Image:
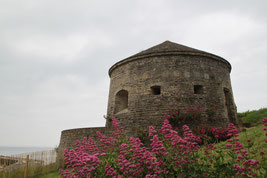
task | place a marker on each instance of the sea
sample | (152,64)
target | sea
(9,151)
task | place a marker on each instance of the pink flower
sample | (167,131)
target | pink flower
(152,131)
(109,171)
(185,128)
(103,154)
(264,121)
(229,145)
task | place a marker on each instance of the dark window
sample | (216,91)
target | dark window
(121,101)
(198,89)
(155,90)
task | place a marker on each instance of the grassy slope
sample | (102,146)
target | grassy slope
(253,136)
(257,137)
(253,118)
(255,133)
(50,175)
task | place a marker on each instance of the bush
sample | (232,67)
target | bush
(192,117)
(178,116)
(169,155)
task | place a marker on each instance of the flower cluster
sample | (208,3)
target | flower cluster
(81,163)
(170,155)
(178,116)
(211,135)
(243,164)
(264,121)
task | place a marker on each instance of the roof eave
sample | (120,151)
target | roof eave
(169,53)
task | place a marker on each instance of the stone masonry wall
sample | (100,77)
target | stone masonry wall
(68,139)
(176,75)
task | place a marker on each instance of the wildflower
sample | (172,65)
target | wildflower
(229,145)
(264,121)
(109,171)
(166,127)
(103,154)
(152,131)
(206,152)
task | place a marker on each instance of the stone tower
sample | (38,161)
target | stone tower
(143,85)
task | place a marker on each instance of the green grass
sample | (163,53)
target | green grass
(257,137)
(257,143)
(33,171)
(50,175)
(253,118)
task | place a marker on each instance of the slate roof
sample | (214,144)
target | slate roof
(168,48)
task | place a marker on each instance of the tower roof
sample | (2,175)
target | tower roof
(168,48)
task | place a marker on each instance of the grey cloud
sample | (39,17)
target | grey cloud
(55,55)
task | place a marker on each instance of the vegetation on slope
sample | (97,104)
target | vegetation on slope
(252,118)
(50,175)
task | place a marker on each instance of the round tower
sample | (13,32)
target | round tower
(142,86)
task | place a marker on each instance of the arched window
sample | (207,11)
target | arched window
(121,101)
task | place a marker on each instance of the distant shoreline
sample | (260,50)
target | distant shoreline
(9,150)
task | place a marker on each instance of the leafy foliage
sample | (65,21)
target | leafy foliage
(169,155)
(252,118)
(178,116)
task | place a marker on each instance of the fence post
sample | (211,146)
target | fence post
(26,167)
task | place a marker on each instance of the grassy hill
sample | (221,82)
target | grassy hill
(252,118)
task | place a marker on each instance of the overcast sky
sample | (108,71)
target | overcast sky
(55,55)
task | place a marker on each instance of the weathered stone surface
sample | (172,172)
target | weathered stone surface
(186,77)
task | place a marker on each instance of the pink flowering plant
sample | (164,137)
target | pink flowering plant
(178,116)
(192,117)
(211,135)
(169,155)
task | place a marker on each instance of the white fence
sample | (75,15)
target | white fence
(40,158)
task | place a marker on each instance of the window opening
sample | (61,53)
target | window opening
(198,89)
(155,90)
